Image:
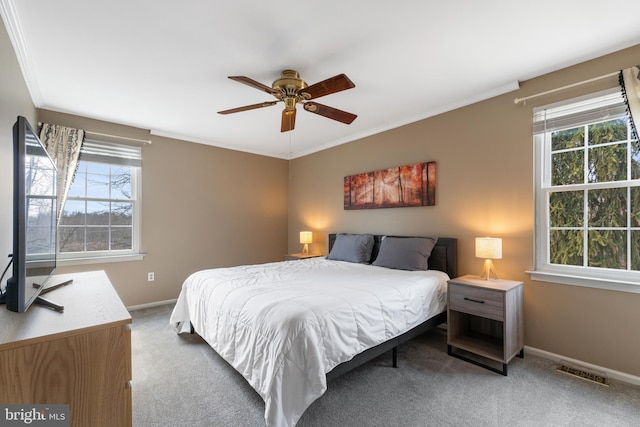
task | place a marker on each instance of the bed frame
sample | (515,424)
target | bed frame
(443,258)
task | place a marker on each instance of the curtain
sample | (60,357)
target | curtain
(630,86)
(63,145)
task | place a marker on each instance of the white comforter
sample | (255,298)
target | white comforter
(284,325)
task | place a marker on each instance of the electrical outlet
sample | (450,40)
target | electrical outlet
(151,276)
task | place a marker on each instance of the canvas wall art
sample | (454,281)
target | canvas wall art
(402,186)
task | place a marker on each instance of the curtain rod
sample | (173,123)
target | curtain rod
(106,135)
(519,100)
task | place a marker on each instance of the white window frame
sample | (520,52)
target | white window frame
(92,155)
(594,277)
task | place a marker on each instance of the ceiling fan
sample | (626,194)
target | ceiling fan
(292,90)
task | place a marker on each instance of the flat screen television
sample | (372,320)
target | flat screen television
(34,220)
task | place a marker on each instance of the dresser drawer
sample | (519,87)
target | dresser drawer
(477,301)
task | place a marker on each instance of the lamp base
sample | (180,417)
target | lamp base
(488,271)
(305,249)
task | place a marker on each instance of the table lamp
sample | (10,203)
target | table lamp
(488,248)
(306,237)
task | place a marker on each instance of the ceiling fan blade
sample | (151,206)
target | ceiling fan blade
(248,107)
(330,112)
(288,120)
(331,85)
(254,84)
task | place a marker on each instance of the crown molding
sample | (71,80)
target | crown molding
(12,24)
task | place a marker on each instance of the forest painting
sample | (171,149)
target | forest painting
(403,186)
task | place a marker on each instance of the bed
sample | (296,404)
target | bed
(291,327)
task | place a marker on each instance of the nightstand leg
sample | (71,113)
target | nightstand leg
(395,357)
(521,354)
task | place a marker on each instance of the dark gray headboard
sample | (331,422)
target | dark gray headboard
(443,256)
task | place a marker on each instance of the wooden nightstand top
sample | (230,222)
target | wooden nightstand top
(291,257)
(494,284)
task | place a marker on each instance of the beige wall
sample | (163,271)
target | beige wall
(484,158)
(202,207)
(14,100)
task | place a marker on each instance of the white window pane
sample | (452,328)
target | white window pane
(97,186)
(97,238)
(121,214)
(121,238)
(97,168)
(100,213)
(78,186)
(121,185)
(71,239)
(587,195)
(97,213)
(73,213)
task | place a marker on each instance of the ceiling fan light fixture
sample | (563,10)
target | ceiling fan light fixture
(290,102)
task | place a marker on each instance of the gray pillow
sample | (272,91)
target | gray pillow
(352,248)
(405,253)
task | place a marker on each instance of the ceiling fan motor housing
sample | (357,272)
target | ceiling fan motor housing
(289,84)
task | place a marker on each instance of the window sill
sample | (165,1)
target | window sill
(589,282)
(64,262)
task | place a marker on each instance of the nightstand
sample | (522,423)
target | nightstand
(485,318)
(293,257)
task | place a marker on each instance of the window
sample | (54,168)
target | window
(100,218)
(587,193)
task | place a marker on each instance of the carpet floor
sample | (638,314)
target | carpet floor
(178,380)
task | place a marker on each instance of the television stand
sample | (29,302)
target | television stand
(48,303)
(81,357)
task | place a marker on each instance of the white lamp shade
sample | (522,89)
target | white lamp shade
(306,237)
(488,247)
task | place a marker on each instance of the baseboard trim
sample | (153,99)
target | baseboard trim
(151,304)
(611,374)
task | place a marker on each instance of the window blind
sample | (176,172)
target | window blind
(109,152)
(608,105)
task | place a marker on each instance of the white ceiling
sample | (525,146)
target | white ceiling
(163,64)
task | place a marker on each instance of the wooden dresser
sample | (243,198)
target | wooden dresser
(81,357)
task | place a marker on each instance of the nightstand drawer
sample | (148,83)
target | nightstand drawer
(477,301)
